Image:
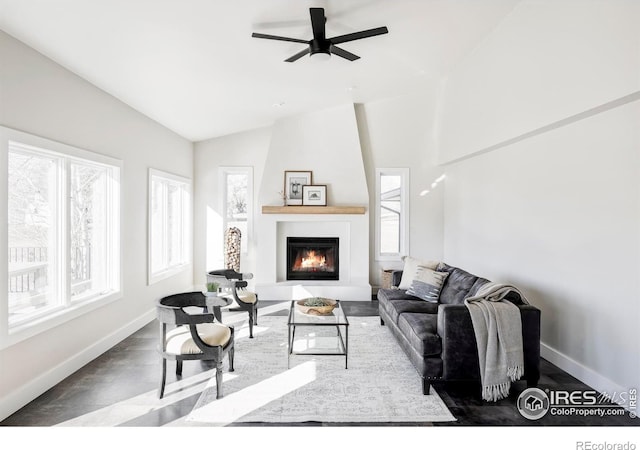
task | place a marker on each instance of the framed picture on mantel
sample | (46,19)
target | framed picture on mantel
(314,195)
(293,182)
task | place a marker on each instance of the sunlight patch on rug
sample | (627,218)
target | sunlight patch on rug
(238,404)
(380,384)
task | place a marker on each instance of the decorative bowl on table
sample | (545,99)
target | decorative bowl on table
(316,306)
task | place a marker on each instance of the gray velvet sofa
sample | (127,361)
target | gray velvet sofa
(438,338)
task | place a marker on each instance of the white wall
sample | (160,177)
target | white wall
(247,149)
(548,60)
(325,142)
(539,136)
(398,132)
(40,97)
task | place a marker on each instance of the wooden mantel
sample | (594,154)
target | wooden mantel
(266,209)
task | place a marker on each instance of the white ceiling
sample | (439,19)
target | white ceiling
(193,66)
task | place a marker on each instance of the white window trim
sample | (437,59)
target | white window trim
(404,217)
(222,172)
(186,238)
(18,333)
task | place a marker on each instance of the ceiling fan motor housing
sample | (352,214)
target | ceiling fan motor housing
(319,46)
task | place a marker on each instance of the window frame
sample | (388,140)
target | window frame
(68,308)
(186,194)
(404,174)
(223,172)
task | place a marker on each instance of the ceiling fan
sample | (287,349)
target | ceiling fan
(320,44)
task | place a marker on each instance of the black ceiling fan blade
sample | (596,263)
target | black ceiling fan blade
(278,38)
(298,55)
(318,22)
(358,35)
(343,53)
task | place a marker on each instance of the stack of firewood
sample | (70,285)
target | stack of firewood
(232,249)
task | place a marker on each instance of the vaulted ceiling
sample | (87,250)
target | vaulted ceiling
(193,66)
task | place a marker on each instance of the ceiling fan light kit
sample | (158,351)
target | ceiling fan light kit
(320,46)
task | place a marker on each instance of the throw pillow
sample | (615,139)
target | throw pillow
(410,267)
(427,284)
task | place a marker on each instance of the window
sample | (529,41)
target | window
(63,229)
(392,212)
(237,201)
(169,222)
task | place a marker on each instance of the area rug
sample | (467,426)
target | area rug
(379,385)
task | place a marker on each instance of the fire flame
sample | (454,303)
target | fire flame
(312,260)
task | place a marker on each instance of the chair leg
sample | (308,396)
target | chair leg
(255,315)
(179,367)
(426,385)
(164,378)
(218,379)
(232,353)
(251,323)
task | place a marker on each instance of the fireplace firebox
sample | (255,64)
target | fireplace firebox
(312,258)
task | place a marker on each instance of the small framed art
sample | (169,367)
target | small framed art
(293,182)
(314,195)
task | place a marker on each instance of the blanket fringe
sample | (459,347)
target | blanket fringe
(499,391)
(496,392)
(515,373)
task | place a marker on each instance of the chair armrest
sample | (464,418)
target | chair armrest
(454,321)
(240,284)
(178,316)
(193,319)
(396,277)
(459,347)
(229,274)
(203,346)
(450,317)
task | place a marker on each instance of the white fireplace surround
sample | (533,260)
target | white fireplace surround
(353,283)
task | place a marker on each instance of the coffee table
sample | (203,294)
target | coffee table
(319,339)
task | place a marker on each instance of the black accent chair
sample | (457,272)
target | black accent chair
(192,335)
(233,285)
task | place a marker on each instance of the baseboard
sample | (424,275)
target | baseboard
(55,375)
(583,373)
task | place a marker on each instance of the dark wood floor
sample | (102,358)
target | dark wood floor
(131,370)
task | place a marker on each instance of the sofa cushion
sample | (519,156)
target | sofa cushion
(476,286)
(410,268)
(244,296)
(385,295)
(398,307)
(427,284)
(180,342)
(396,278)
(396,301)
(457,286)
(421,331)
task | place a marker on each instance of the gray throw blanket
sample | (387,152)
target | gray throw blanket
(498,330)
